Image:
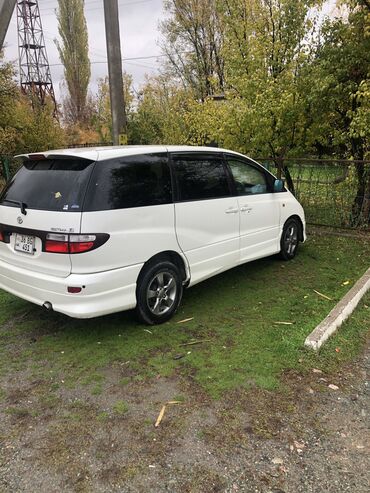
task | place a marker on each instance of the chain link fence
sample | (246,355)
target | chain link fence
(334,193)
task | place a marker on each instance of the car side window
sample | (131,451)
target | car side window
(248,179)
(134,181)
(200,177)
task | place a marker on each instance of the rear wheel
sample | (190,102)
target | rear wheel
(158,293)
(289,239)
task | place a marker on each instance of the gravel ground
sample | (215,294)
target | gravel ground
(307,438)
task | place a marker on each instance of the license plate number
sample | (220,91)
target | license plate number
(25,244)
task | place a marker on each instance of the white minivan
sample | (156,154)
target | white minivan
(87,232)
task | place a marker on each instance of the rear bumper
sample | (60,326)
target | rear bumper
(103,292)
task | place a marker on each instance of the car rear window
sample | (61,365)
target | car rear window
(125,182)
(50,185)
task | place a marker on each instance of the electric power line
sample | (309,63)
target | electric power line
(135,58)
(47,9)
(126,59)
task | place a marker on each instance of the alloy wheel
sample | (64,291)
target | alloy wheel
(161,293)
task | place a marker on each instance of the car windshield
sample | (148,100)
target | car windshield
(49,184)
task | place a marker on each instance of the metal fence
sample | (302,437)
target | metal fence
(334,193)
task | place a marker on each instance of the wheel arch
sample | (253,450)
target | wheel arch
(300,222)
(172,256)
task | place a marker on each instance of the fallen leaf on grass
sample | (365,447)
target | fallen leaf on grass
(185,320)
(316,370)
(344,283)
(323,295)
(147,330)
(284,323)
(337,349)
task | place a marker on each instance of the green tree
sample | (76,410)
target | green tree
(23,128)
(74,54)
(159,114)
(37,129)
(101,119)
(340,94)
(9,95)
(193,40)
(268,48)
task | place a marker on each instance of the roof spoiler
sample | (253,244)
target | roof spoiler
(39,156)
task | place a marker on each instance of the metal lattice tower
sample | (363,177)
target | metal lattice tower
(34,70)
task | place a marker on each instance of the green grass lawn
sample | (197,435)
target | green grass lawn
(235,314)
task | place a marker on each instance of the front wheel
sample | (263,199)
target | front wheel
(289,239)
(158,293)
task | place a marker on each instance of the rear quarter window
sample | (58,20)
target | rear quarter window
(126,182)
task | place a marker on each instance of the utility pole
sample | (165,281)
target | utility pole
(117,102)
(6,11)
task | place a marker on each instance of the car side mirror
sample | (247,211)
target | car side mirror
(278,185)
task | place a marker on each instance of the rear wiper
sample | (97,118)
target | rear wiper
(21,204)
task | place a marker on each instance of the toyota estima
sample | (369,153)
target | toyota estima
(87,232)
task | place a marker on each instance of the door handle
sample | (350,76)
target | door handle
(246,208)
(231,210)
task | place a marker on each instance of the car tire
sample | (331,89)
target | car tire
(158,293)
(290,239)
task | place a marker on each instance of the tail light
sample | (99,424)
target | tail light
(81,243)
(60,243)
(4,237)
(57,243)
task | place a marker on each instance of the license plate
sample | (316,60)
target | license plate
(24,243)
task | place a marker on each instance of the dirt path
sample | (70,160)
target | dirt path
(306,439)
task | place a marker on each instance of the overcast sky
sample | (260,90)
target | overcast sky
(139,21)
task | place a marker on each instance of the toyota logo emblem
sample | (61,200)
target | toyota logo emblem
(19,220)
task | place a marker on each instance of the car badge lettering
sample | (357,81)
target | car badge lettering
(19,220)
